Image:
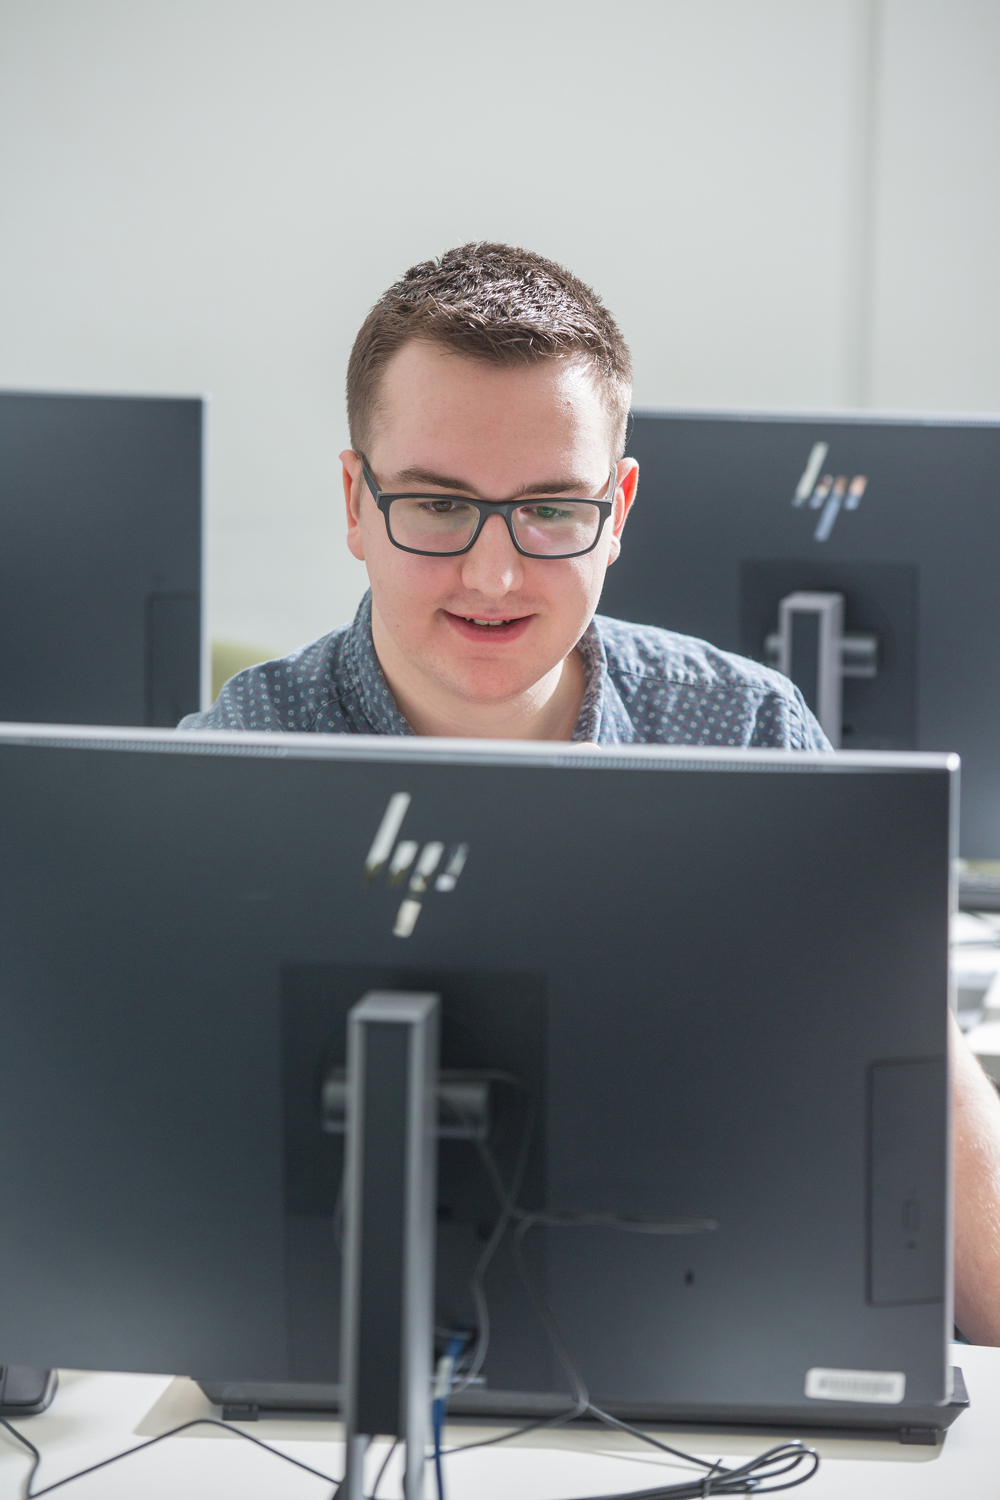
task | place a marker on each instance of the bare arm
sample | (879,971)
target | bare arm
(977,1195)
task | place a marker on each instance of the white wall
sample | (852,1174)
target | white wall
(935,330)
(788,203)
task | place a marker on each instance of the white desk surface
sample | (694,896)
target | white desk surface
(94,1416)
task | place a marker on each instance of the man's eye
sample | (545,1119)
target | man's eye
(550,512)
(443,507)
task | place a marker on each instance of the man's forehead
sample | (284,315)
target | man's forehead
(456,418)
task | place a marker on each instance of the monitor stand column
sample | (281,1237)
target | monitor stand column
(811,633)
(387,1317)
(811,648)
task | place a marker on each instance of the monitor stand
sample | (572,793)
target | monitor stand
(811,648)
(387,1314)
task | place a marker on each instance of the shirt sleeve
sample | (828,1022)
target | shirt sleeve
(244,703)
(224,714)
(209,718)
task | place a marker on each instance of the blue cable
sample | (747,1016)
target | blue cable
(442,1391)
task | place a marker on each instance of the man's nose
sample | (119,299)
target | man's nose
(494,566)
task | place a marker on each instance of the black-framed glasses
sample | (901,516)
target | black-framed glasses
(448,525)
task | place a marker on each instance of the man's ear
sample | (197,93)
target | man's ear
(353,485)
(626,485)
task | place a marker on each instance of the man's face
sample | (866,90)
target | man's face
(452,425)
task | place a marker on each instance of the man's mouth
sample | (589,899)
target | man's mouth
(480,627)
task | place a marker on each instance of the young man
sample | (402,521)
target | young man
(487,493)
(495,376)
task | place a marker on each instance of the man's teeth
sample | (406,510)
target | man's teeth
(486,622)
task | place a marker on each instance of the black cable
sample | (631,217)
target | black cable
(746,1480)
(31,1449)
(507,1197)
(29,1494)
(749,1478)
(548,1322)
(508,1437)
(645,1437)
(385,1464)
(788,1455)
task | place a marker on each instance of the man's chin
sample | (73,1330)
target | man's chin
(484,685)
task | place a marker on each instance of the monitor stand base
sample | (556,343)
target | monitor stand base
(24,1392)
(246,1401)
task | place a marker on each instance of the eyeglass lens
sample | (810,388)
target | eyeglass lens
(545,528)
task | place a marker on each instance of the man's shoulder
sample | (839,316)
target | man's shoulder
(677,689)
(286,693)
(647,651)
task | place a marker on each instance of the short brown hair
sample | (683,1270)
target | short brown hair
(494,303)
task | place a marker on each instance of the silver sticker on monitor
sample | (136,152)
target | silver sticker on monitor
(878,1387)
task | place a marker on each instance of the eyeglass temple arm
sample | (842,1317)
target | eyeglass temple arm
(373,488)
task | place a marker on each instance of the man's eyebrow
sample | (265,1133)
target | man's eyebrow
(418,475)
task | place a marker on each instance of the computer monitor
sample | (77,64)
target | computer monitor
(897,516)
(100,558)
(717,981)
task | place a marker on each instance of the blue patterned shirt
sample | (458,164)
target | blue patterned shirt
(644,686)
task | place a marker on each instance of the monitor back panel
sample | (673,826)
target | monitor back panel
(100,558)
(723,983)
(716,539)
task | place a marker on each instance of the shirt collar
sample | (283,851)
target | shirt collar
(377,702)
(595,666)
